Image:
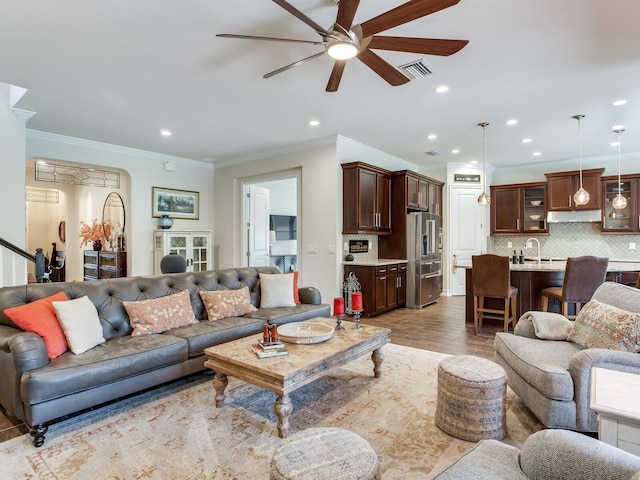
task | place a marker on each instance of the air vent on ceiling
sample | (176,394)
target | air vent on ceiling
(433,153)
(416,69)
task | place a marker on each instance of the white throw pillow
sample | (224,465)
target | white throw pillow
(276,291)
(80,324)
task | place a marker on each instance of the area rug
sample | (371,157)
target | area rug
(176,432)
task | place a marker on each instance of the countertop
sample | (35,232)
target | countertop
(559,266)
(381,262)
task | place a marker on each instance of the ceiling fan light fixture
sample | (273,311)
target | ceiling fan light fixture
(342,50)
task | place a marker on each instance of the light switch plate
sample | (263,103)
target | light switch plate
(312,248)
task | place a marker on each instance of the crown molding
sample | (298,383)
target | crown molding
(108,147)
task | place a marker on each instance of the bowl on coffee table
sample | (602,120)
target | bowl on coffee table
(305,332)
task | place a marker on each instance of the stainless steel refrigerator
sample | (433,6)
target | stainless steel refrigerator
(424,258)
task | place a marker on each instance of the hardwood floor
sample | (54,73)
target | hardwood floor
(439,327)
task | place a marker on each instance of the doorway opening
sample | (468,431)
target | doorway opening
(271,220)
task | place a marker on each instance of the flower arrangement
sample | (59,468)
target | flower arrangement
(94,232)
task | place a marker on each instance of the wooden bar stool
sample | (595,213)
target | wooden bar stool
(582,276)
(492,279)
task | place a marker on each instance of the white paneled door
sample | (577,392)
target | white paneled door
(258,228)
(465,219)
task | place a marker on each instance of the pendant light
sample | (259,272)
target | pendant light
(581,197)
(619,202)
(484,200)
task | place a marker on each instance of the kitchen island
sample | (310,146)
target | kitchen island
(531,277)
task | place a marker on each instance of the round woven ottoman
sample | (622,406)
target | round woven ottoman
(325,453)
(471,398)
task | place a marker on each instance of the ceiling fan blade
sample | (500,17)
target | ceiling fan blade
(405,13)
(346,12)
(291,65)
(390,74)
(270,39)
(426,46)
(336,75)
(301,16)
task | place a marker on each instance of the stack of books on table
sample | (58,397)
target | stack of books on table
(266,350)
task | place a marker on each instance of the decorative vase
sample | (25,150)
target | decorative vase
(165,222)
(97,245)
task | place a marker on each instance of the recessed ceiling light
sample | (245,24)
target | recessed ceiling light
(537,154)
(474,161)
(441,89)
(314,123)
(617,127)
(432,136)
(617,103)
(511,122)
(455,150)
(614,144)
(165,133)
(526,140)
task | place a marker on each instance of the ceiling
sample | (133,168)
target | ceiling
(119,72)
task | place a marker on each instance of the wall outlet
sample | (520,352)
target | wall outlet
(509,244)
(632,245)
(529,244)
(331,249)
(346,247)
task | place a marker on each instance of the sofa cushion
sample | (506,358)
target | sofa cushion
(39,317)
(544,363)
(227,303)
(80,323)
(599,325)
(276,291)
(207,334)
(158,315)
(122,357)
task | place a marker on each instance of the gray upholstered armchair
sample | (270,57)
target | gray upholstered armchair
(553,377)
(546,454)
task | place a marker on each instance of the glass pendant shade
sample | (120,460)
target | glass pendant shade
(581,197)
(619,202)
(484,200)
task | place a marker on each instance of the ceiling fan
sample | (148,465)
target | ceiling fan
(344,40)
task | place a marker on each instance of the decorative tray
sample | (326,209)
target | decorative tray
(305,332)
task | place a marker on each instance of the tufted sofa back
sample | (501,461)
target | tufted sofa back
(107,295)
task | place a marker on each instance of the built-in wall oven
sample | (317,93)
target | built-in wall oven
(424,258)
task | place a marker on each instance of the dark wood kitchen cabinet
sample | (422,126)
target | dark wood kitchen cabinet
(518,209)
(366,195)
(383,286)
(626,220)
(562,185)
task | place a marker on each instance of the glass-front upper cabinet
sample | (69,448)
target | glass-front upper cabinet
(624,220)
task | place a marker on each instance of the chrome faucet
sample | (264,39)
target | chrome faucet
(538,242)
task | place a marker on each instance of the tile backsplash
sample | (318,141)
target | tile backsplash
(370,256)
(571,240)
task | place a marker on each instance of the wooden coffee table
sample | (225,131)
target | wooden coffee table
(304,364)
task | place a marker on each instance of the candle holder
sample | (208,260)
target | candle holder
(356,317)
(339,322)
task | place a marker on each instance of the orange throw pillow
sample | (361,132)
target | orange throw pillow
(39,317)
(296,295)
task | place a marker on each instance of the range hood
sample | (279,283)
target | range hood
(575,216)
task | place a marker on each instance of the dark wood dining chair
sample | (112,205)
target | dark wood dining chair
(582,276)
(491,279)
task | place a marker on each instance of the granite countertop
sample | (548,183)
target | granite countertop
(380,262)
(559,266)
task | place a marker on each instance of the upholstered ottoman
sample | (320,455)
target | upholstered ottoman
(471,398)
(325,453)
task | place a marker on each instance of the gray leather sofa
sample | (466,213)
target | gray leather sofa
(553,377)
(545,455)
(39,391)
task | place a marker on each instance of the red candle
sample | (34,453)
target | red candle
(338,306)
(356,301)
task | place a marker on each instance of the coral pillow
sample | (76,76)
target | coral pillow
(227,303)
(158,315)
(296,295)
(276,291)
(599,325)
(39,317)
(80,323)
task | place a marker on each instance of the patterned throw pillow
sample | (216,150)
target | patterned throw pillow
(227,303)
(599,325)
(158,315)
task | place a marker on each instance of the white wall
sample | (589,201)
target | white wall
(145,170)
(12,147)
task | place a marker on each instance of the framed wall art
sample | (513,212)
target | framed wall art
(175,203)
